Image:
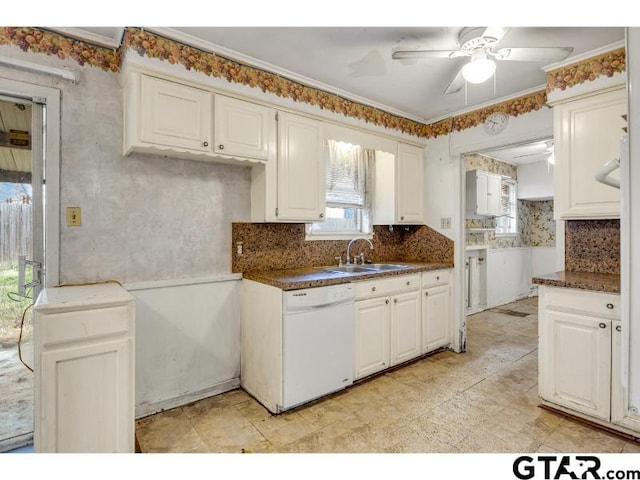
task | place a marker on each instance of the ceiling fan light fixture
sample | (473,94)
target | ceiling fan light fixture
(478,70)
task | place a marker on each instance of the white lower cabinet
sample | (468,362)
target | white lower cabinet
(436,310)
(405,327)
(435,318)
(580,356)
(84,370)
(621,413)
(578,362)
(392,317)
(372,336)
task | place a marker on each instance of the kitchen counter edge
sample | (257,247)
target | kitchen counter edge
(310,277)
(599,282)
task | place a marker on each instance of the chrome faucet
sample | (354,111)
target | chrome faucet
(351,243)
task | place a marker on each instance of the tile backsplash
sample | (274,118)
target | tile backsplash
(592,246)
(273,246)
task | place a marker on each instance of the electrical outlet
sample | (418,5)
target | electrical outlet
(74,218)
(445,222)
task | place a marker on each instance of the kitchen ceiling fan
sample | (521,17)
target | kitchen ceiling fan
(482,46)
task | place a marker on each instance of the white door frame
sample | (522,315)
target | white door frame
(458,149)
(50,97)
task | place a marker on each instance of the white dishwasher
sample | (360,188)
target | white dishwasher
(318,336)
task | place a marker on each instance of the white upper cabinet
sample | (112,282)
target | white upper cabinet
(170,118)
(301,171)
(483,192)
(410,196)
(399,187)
(173,116)
(241,128)
(587,134)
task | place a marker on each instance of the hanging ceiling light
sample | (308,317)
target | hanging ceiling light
(480,68)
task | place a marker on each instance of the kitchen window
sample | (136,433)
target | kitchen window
(349,181)
(507,221)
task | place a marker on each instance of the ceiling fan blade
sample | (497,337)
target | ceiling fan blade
(456,84)
(495,32)
(402,54)
(533,54)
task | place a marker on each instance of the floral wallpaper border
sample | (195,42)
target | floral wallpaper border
(587,70)
(155,46)
(41,41)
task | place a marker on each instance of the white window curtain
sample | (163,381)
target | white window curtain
(349,185)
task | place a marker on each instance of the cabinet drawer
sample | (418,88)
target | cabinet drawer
(386,286)
(589,302)
(84,325)
(436,277)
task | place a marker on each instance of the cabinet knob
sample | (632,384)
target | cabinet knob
(205,144)
(221,147)
(373,289)
(602,325)
(618,328)
(401,218)
(395,300)
(321,215)
(386,301)
(426,294)
(610,306)
(408,283)
(437,278)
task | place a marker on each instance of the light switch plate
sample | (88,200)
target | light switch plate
(74,217)
(445,222)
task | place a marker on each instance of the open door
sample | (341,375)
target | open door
(22,256)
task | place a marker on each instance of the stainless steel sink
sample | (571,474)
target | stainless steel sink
(368,268)
(381,267)
(350,269)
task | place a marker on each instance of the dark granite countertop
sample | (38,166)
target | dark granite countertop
(298,278)
(600,282)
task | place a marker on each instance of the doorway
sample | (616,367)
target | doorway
(510,233)
(22,258)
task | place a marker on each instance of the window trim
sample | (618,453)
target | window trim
(310,237)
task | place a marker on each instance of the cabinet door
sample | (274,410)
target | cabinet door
(435,318)
(482,192)
(372,336)
(621,412)
(85,399)
(410,199)
(406,328)
(494,194)
(241,128)
(575,360)
(175,115)
(301,171)
(587,135)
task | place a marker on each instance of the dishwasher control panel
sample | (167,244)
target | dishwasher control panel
(310,298)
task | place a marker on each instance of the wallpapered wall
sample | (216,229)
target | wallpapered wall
(536,227)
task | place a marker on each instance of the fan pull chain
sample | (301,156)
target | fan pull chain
(494,84)
(465,93)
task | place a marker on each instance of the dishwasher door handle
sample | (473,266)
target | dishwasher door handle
(308,308)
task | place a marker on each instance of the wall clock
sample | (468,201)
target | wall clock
(495,123)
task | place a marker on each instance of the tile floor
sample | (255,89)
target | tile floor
(484,400)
